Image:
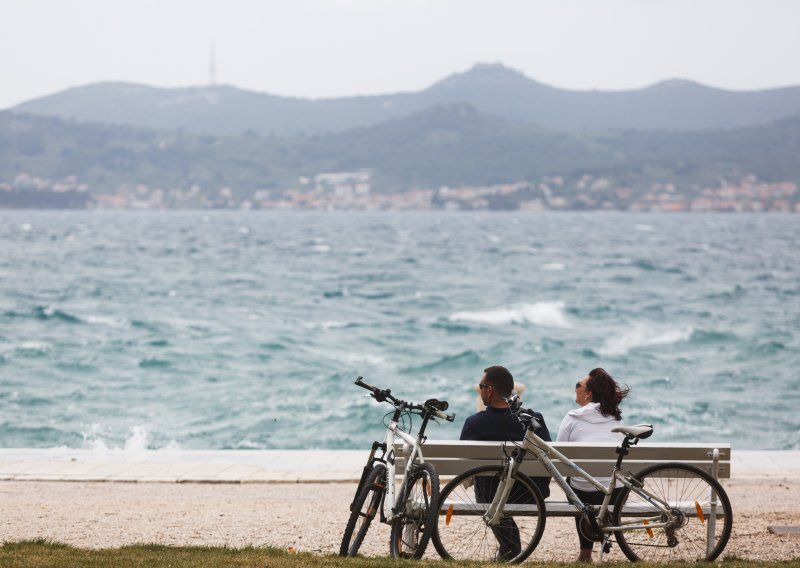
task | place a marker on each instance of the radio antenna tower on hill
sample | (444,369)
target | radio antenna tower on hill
(212,68)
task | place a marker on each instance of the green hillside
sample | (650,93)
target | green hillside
(446,145)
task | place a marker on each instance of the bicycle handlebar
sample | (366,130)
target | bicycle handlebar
(443,416)
(515,406)
(432,406)
(378,394)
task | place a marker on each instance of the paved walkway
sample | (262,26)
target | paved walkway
(263,466)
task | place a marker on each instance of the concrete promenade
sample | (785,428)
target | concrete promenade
(264,466)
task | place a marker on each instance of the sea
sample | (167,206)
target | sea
(130,330)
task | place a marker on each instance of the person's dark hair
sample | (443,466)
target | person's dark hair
(500,378)
(607,392)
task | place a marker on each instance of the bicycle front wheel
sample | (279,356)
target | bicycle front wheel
(366,505)
(416,510)
(462,533)
(698,524)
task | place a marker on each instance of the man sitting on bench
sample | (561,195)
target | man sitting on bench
(496,423)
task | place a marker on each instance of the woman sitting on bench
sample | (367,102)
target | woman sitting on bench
(599,396)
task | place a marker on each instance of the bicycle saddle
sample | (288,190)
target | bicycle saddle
(640,431)
(440,405)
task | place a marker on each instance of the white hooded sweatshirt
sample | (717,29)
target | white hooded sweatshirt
(587,424)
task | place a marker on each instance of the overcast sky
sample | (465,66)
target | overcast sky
(329,48)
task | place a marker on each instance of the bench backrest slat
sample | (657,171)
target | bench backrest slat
(452,457)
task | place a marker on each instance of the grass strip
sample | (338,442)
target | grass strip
(46,554)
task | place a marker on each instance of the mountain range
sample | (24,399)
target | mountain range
(490,88)
(486,127)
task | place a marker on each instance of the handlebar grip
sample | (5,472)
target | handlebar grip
(364,385)
(443,416)
(377,394)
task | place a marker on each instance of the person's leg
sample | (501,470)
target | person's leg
(585,554)
(507,535)
(591,498)
(507,531)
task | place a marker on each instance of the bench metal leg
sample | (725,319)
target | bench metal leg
(712,520)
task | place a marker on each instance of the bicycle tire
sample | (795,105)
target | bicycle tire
(462,534)
(417,504)
(365,506)
(701,534)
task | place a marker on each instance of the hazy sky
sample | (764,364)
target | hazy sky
(326,48)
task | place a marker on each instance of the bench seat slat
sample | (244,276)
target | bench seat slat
(556,509)
(452,467)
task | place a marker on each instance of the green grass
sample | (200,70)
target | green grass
(43,553)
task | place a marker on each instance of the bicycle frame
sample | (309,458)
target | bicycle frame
(534,445)
(393,431)
(415,456)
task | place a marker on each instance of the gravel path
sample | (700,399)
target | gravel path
(307,516)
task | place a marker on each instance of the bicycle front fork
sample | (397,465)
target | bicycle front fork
(368,467)
(495,511)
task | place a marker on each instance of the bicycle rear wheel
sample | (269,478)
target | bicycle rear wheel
(416,507)
(461,532)
(366,505)
(699,523)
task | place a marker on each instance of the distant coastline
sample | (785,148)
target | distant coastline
(592,194)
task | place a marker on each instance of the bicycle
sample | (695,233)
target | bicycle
(666,512)
(412,512)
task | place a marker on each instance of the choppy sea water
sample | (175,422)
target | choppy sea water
(126,330)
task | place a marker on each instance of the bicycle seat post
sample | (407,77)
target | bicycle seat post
(622,449)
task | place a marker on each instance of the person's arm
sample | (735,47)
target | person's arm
(542,432)
(466,430)
(565,430)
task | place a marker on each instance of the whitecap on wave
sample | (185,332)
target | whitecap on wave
(106,320)
(333,324)
(361,358)
(545,314)
(643,336)
(138,441)
(553,266)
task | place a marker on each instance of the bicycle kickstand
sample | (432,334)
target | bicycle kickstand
(606,548)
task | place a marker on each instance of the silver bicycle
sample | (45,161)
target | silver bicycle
(666,512)
(412,512)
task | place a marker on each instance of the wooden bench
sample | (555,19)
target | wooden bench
(452,457)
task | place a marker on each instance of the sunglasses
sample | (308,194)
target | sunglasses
(483,385)
(578,385)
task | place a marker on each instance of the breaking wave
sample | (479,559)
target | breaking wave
(545,314)
(643,336)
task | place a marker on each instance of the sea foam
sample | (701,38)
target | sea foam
(545,314)
(138,441)
(641,335)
